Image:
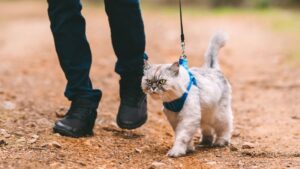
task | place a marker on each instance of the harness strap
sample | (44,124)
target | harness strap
(184,63)
(177,104)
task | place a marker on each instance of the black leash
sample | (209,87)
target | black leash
(182,33)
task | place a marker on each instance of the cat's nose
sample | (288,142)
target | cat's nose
(153,88)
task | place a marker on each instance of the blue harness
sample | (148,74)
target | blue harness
(177,105)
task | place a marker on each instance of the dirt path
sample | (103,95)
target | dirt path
(266,99)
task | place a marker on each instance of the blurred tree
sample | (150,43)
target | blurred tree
(262,4)
(286,2)
(218,3)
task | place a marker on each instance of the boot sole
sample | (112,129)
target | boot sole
(133,126)
(64,132)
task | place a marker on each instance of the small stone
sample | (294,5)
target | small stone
(55,144)
(34,139)
(31,141)
(211,162)
(57,134)
(18,133)
(21,140)
(7,105)
(138,150)
(233,148)
(30,124)
(45,145)
(51,144)
(157,164)
(296,155)
(55,165)
(102,167)
(2,143)
(35,136)
(4,133)
(236,134)
(247,153)
(82,163)
(247,145)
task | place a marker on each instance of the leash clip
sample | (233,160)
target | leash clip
(183,50)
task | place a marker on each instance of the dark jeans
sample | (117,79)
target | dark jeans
(68,28)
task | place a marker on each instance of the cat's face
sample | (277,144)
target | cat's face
(159,79)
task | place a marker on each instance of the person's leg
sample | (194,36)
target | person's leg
(128,39)
(68,28)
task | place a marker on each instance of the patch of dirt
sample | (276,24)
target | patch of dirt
(266,95)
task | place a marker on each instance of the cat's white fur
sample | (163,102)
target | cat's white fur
(208,104)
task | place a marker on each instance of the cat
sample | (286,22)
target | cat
(204,94)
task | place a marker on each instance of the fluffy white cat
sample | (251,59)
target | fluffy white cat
(207,104)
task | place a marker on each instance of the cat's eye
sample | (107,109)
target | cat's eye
(162,81)
(148,81)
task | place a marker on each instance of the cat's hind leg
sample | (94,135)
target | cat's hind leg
(223,127)
(207,135)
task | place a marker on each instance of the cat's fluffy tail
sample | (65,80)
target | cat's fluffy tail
(216,43)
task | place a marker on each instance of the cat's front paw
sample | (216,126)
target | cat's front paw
(176,152)
(191,148)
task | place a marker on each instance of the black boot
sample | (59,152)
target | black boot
(79,120)
(133,109)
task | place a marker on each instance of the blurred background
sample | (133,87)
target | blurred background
(233,3)
(261,60)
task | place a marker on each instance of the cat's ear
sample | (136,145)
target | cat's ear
(146,65)
(174,68)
